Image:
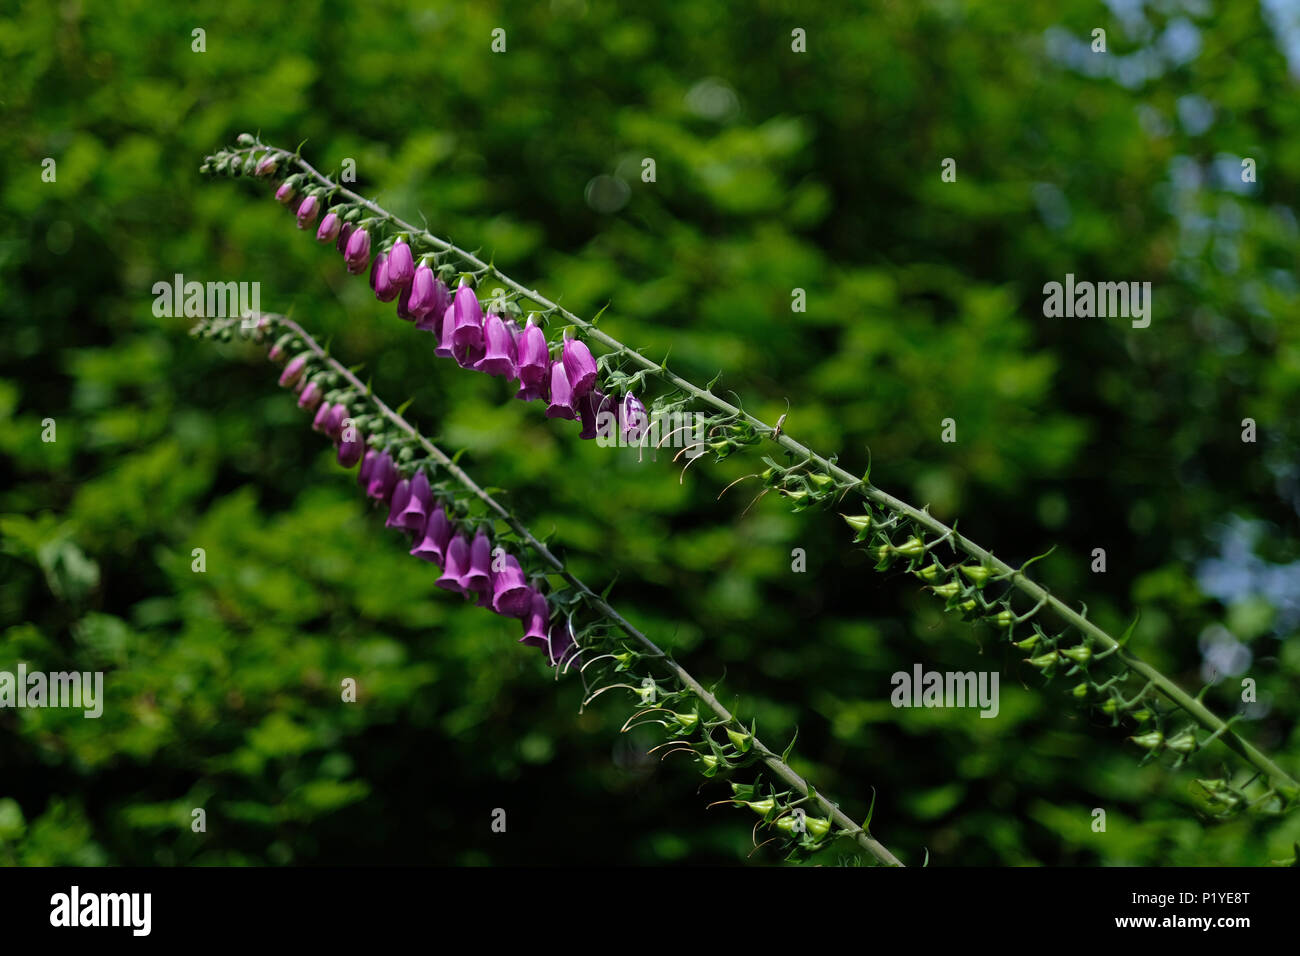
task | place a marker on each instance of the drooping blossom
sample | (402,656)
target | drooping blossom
(307,211)
(383,477)
(633,418)
(467,330)
(383,287)
(535,620)
(435,307)
(455,565)
(310,397)
(510,592)
(561,405)
(478,576)
(499,352)
(534,359)
(357,253)
(351,447)
(293,371)
(579,366)
(401,497)
(284,195)
(432,546)
(416,512)
(329,228)
(401,267)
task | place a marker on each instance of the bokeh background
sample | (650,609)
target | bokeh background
(775,170)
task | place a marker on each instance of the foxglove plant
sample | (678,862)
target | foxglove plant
(567,620)
(1106,673)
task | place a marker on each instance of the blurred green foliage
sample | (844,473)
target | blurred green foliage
(775,170)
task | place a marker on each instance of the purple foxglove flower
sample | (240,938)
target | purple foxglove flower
(559,642)
(468,329)
(456,563)
(416,512)
(561,394)
(322,416)
(284,194)
(579,367)
(510,592)
(293,371)
(351,448)
(401,267)
(478,576)
(535,620)
(634,418)
(444,348)
(499,355)
(606,407)
(401,497)
(436,307)
(310,397)
(437,535)
(534,359)
(308,211)
(345,233)
(330,227)
(383,287)
(417,298)
(334,423)
(265,166)
(383,477)
(530,393)
(587,408)
(367,468)
(276,352)
(357,252)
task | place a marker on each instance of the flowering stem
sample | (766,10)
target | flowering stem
(775,763)
(1015,577)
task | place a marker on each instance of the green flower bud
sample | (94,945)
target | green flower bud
(1004,619)
(1149,741)
(245,139)
(742,742)
(817,826)
(1046,660)
(948,589)
(912,547)
(1142,716)
(761,807)
(1183,743)
(1080,653)
(1028,644)
(1080,690)
(1110,706)
(931,572)
(976,574)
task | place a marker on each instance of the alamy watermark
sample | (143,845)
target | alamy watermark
(75,689)
(684,430)
(946,689)
(205,300)
(1104,300)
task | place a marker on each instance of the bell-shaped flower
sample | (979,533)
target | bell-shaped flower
(329,228)
(357,253)
(401,266)
(478,576)
(535,620)
(310,397)
(334,423)
(284,194)
(456,563)
(432,546)
(562,402)
(307,211)
(417,299)
(383,477)
(383,287)
(322,417)
(499,354)
(510,592)
(416,512)
(579,367)
(351,447)
(293,371)
(467,331)
(534,358)
(345,234)
(401,497)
